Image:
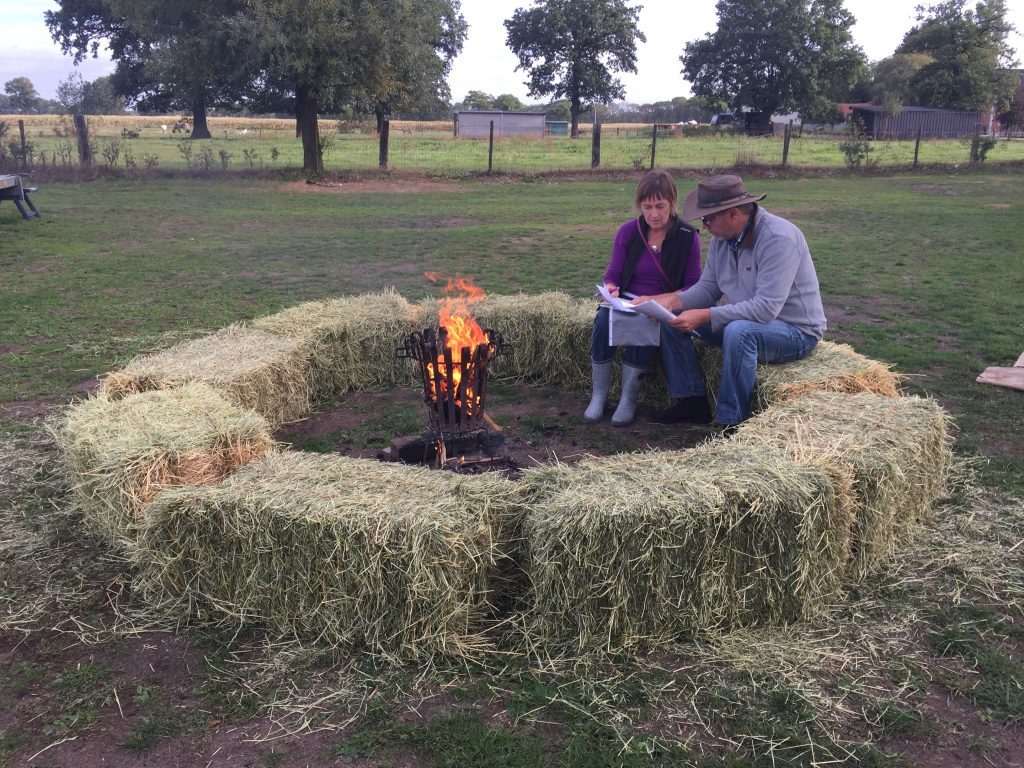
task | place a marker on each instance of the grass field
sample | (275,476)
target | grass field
(919,270)
(262,143)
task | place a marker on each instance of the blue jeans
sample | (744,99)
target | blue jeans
(744,344)
(682,371)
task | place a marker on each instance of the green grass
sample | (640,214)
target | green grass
(917,269)
(271,144)
(152,728)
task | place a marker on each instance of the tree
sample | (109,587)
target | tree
(775,56)
(571,48)
(478,100)
(890,87)
(971,58)
(170,55)
(414,57)
(23,96)
(508,102)
(69,94)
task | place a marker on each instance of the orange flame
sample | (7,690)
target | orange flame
(462,328)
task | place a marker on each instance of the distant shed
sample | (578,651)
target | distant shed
(933,123)
(556,127)
(477,124)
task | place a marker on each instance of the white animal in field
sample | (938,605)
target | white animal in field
(241,131)
(182,126)
(163,128)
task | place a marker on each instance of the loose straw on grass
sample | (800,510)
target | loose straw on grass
(122,452)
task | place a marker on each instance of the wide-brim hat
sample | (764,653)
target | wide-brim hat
(717,194)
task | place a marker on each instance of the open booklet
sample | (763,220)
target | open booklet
(650,308)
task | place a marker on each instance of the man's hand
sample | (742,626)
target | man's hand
(669,301)
(691,319)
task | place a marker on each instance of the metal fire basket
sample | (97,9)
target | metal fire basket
(453,407)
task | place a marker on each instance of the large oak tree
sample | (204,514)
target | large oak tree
(773,56)
(970,56)
(571,48)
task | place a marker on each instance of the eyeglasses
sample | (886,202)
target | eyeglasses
(706,220)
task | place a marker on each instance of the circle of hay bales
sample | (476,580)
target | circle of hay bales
(174,460)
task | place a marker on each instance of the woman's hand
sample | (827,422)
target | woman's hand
(669,301)
(612,289)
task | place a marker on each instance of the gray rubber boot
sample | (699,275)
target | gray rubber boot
(626,411)
(601,379)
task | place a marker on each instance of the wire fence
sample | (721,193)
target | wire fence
(139,144)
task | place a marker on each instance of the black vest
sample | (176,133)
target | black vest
(675,253)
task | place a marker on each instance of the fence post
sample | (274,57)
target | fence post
(785,144)
(24,145)
(385,132)
(82,133)
(595,146)
(917,145)
(490,149)
(654,142)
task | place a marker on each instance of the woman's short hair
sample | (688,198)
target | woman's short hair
(657,182)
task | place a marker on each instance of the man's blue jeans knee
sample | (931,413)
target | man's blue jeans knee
(744,344)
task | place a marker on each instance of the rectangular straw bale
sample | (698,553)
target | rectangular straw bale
(831,367)
(634,549)
(896,447)
(550,335)
(265,372)
(122,452)
(350,552)
(354,339)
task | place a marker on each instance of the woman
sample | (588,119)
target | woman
(653,254)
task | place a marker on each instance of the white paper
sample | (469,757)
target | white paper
(650,308)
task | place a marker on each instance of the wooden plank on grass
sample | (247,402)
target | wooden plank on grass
(1004,377)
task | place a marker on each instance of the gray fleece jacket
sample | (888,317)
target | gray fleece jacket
(771,278)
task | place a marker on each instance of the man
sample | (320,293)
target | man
(757,298)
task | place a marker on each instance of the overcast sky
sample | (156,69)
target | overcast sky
(485,64)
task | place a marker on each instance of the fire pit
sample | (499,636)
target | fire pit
(453,361)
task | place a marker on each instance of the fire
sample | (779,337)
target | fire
(462,328)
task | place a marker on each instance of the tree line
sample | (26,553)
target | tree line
(382,57)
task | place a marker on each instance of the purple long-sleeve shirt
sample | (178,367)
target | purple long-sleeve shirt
(647,280)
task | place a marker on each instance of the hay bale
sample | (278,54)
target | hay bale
(122,452)
(631,550)
(831,367)
(261,371)
(897,449)
(353,341)
(549,333)
(350,552)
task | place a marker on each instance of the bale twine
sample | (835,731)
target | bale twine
(122,452)
(348,552)
(831,367)
(897,449)
(630,550)
(353,341)
(264,372)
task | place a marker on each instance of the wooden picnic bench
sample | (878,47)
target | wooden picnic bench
(12,187)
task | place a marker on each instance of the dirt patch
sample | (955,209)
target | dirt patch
(539,426)
(368,186)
